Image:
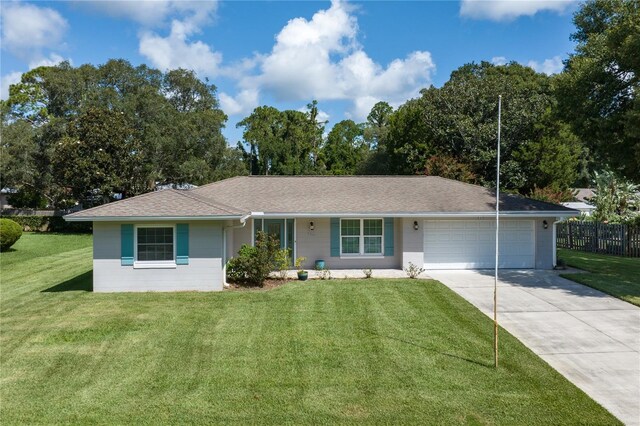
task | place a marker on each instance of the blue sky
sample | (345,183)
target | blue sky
(347,55)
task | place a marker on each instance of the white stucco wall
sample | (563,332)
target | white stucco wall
(316,244)
(412,243)
(203,273)
(408,244)
(238,236)
(545,244)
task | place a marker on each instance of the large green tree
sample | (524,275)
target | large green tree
(282,142)
(95,157)
(173,127)
(459,121)
(344,148)
(598,92)
(375,132)
(18,159)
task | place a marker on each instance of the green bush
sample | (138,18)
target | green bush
(253,265)
(26,198)
(10,232)
(282,263)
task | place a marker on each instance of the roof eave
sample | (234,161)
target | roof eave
(69,218)
(549,213)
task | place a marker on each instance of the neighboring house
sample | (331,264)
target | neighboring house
(180,240)
(5,193)
(583,194)
(580,202)
(181,186)
(581,206)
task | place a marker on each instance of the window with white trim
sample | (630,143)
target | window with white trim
(361,237)
(155,244)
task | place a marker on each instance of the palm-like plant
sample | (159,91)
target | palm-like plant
(614,198)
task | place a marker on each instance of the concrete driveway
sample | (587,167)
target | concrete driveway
(591,338)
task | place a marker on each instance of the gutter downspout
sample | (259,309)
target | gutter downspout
(243,222)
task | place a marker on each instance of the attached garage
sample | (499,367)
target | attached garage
(470,244)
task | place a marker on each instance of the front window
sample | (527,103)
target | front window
(155,244)
(361,236)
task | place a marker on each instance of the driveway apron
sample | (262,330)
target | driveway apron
(591,338)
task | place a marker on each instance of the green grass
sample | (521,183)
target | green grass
(340,351)
(615,275)
(34,245)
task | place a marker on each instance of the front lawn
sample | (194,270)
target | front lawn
(615,275)
(340,351)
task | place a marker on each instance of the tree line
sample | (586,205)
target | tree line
(82,134)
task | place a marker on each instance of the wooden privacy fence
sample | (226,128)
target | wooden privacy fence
(604,238)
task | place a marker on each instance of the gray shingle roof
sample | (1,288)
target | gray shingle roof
(167,203)
(358,194)
(323,195)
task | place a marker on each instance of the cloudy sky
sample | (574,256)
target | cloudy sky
(347,55)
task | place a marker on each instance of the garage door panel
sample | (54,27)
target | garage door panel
(470,244)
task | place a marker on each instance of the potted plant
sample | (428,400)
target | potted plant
(302,274)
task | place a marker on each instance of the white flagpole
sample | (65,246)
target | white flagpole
(495,280)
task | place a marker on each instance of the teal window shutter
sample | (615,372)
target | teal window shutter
(182,245)
(388,236)
(335,237)
(126,244)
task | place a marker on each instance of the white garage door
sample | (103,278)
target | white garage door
(470,244)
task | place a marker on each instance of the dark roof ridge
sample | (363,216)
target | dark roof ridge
(502,194)
(534,199)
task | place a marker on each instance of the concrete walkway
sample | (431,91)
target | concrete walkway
(591,338)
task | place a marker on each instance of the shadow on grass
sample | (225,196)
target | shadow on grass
(472,361)
(82,282)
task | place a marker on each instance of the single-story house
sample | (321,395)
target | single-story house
(581,199)
(181,239)
(581,206)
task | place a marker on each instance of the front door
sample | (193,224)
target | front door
(282,229)
(275,227)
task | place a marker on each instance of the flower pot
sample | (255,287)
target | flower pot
(319,264)
(303,275)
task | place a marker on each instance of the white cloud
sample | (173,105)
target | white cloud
(176,51)
(14,77)
(499,60)
(6,81)
(321,117)
(548,66)
(151,13)
(243,103)
(27,29)
(321,59)
(504,10)
(52,60)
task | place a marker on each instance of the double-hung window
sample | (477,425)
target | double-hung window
(155,244)
(361,237)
